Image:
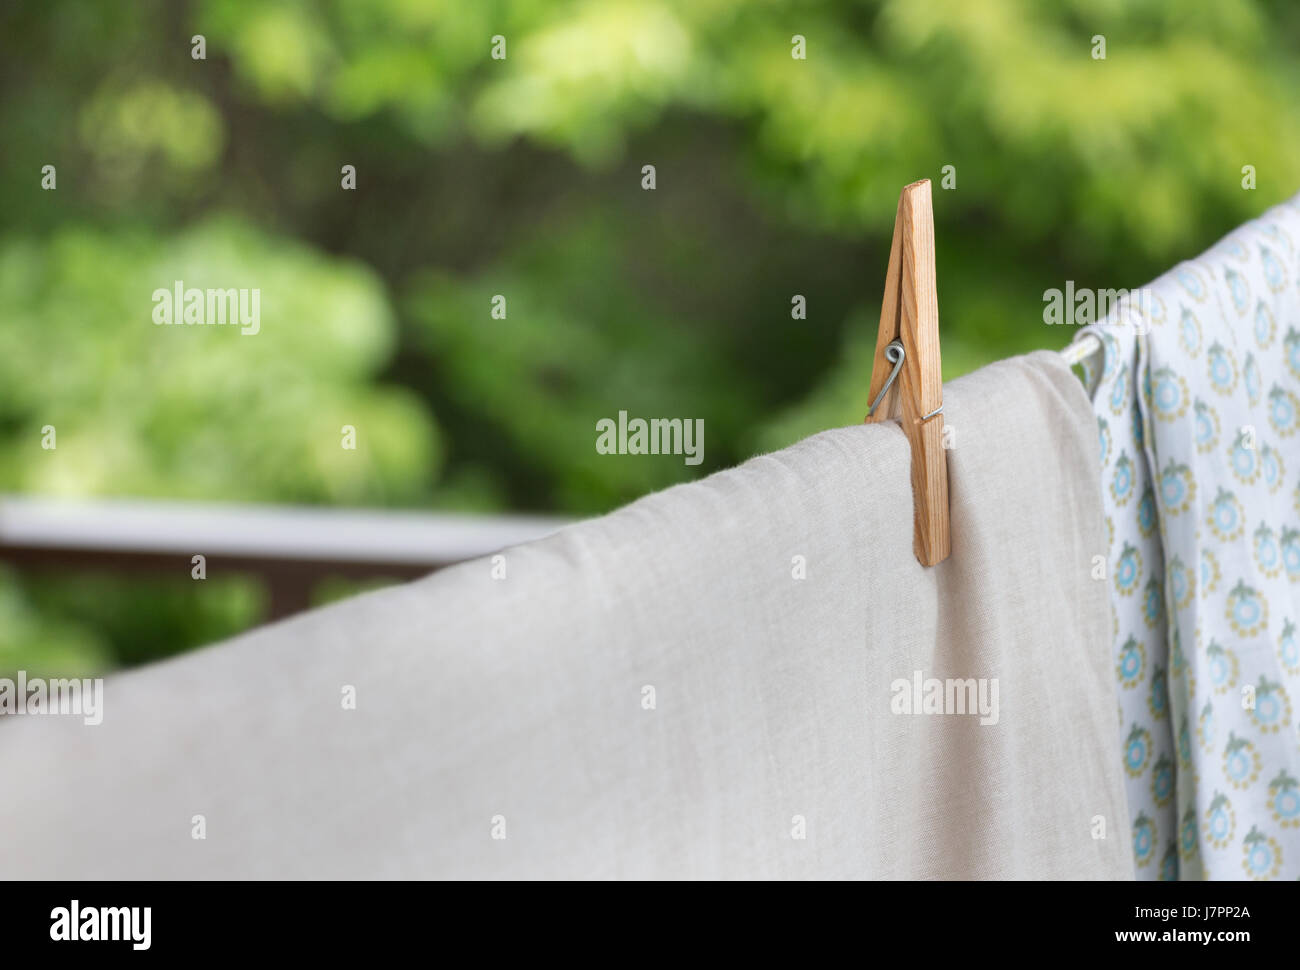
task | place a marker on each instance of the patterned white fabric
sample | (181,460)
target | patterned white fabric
(1198,405)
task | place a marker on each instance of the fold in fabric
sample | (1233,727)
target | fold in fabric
(732,678)
(1198,404)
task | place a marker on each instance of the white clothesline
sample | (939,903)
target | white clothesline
(1081,349)
(259,532)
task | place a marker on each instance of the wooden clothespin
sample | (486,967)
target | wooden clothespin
(909,322)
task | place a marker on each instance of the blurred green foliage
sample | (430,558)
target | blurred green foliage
(522,177)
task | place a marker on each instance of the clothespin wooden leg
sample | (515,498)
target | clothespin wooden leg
(909,314)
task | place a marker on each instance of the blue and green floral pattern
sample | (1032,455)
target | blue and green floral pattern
(1197,396)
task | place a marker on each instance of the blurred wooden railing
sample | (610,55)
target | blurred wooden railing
(291,547)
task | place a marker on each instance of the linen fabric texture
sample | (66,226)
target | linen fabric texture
(702,684)
(1197,399)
